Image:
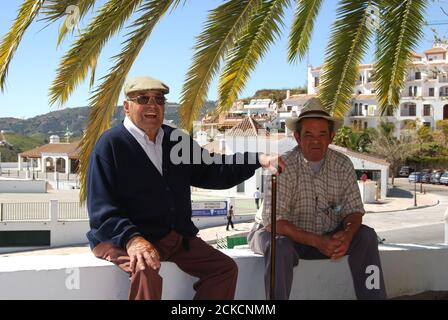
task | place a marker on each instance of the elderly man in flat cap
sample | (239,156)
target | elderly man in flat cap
(139,199)
(319,210)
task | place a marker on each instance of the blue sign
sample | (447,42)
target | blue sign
(209,208)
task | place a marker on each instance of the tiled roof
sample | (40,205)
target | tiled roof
(71,149)
(435,50)
(248,128)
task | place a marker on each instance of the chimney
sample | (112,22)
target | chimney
(288,94)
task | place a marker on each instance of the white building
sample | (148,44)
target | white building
(424,98)
(52,157)
(250,136)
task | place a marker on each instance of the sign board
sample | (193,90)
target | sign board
(209,208)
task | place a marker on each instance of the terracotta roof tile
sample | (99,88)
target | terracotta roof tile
(71,149)
(248,128)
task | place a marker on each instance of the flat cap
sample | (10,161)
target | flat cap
(145,83)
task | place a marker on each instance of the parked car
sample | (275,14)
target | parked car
(444,179)
(426,177)
(435,177)
(415,177)
(405,171)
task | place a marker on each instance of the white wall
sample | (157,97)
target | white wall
(22,186)
(361,164)
(408,269)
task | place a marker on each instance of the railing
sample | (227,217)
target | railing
(41,211)
(72,211)
(443,79)
(25,211)
(408,114)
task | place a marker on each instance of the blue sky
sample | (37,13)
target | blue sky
(166,56)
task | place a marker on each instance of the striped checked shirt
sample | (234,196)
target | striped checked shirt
(315,203)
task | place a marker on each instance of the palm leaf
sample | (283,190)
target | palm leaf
(262,31)
(302,28)
(83,6)
(84,52)
(53,10)
(105,97)
(8,46)
(221,30)
(397,39)
(348,44)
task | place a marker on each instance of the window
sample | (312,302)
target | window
(316,81)
(427,124)
(410,91)
(431,92)
(418,75)
(412,109)
(426,110)
(415,91)
(365,125)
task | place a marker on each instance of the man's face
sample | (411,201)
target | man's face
(149,116)
(314,138)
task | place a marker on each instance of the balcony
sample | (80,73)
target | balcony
(356,114)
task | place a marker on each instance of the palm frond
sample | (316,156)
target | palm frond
(84,52)
(250,47)
(222,28)
(398,36)
(104,99)
(348,43)
(53,10)
(83,6)
(8,46)
(302,28)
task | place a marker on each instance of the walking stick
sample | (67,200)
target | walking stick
(273,232)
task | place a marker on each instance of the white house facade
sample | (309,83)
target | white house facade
(424,98)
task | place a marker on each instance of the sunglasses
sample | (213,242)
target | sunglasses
(159,100)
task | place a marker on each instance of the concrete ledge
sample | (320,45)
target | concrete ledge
(408,269)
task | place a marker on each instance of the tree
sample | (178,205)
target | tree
(237,32)
(393,150)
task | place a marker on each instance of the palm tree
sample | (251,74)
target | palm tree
(237,32)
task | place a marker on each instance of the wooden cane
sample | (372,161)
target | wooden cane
(273,232)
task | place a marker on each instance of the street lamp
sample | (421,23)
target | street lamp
(421,170)
(415,185)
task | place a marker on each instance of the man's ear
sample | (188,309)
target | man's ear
(297,137)
(332,134)
(126,105)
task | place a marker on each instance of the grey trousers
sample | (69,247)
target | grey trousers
(363,252)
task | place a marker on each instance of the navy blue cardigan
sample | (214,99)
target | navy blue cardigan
(127,196)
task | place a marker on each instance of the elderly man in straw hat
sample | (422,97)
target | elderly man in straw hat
(319,210)
(139,200)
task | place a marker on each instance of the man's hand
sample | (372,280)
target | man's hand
(273,163)
(327,245)
(344,239)
(142,252)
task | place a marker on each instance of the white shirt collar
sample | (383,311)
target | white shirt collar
(139,134)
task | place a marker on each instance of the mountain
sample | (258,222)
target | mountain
(75,120)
